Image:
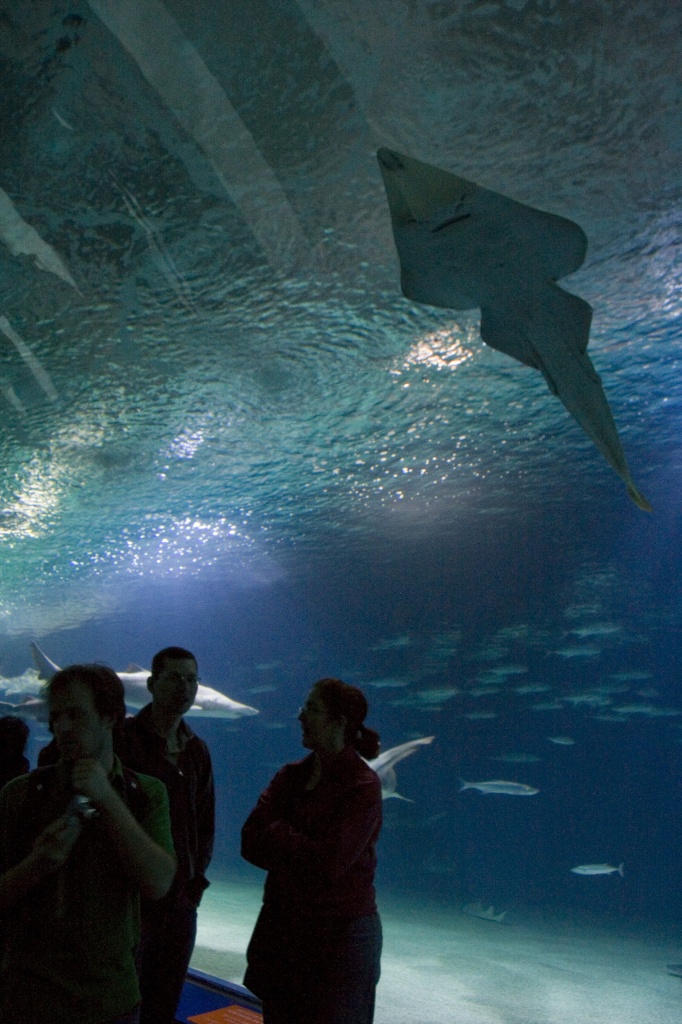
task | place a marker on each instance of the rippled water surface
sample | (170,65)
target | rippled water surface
(229,365)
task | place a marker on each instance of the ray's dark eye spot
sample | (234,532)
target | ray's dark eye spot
(73,20)
(450,220)
(63,44)
(390,160)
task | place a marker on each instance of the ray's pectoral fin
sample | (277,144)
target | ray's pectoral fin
(502,330)
(462,246)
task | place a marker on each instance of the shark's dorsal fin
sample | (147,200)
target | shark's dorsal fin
(134,667)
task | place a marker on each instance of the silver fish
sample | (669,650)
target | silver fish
(597,629)
(500,786)
(598,869)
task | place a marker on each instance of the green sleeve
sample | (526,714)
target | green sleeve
(156,819)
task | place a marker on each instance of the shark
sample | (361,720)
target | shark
(384,765)
(23,240)
(22,693)
(209,703)
(462,246)
(30,358)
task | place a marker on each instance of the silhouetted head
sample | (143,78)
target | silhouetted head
(86,704)
(170,654)
(13,736)
(108,696)
(174,681)
(344,701)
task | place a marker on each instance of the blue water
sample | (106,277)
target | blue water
(241,438)
(433,635)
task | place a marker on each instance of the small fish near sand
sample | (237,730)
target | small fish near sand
(477,909)
(500,786)
(599,869)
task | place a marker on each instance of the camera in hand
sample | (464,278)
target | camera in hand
(81,808)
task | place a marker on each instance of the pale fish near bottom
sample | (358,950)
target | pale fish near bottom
(598,869)
(484,913)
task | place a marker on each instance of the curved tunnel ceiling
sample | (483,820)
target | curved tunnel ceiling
(204,350)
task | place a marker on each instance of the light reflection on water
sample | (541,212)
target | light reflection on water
(216,406)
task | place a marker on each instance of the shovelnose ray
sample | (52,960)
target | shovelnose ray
(384,764)
(30,707)
(477,909)
(462,246)
(28,684)
(209,703)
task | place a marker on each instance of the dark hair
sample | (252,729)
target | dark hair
(13,736)
(169,654)
(344,701)
(103,683)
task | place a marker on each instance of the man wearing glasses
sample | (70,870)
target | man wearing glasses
(157,741)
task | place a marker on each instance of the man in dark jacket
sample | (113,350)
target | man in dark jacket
(158,742)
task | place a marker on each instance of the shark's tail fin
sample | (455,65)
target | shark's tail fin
(620,869)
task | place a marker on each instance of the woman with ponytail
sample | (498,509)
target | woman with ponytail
(315,951)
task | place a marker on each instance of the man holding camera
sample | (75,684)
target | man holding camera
(80,842)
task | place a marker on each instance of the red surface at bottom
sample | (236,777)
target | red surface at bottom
(228,1015)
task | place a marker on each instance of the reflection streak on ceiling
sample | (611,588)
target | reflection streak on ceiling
(176,71)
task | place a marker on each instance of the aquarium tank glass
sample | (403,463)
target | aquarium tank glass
(246,408)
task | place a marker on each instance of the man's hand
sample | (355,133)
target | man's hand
(54,844)
(89,778)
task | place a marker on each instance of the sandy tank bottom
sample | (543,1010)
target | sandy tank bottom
(442,967)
